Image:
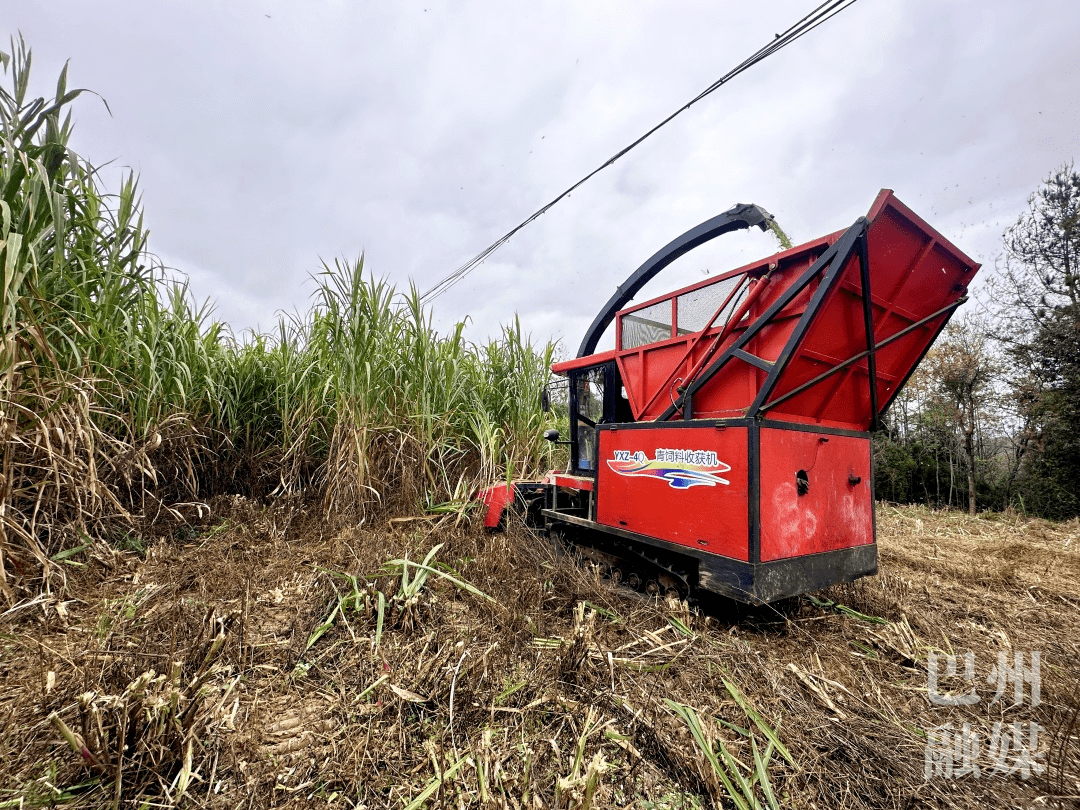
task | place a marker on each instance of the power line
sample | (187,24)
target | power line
(819,15)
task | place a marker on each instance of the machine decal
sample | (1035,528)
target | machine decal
(682,469)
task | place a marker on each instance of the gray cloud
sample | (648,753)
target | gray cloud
(271,134)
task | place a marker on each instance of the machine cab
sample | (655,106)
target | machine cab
(597,397)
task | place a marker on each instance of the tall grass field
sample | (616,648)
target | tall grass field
(124,404)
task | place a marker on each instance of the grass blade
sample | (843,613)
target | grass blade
(465,586)
(432,786)
(380,610)
(760,768)
(689,716)
(752,713)
(323,628)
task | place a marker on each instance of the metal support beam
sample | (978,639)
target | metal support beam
(868,325)
(753,360)
(845,245)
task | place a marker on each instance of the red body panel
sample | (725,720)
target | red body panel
(648,483)
(833,513)
(571,481)
(495,498)
(583,362)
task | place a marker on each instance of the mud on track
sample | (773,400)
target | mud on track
(206,673)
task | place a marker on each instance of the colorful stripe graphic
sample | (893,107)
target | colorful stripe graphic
(678,476)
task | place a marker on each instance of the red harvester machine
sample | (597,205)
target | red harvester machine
(724,444)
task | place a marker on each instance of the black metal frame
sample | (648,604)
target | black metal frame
(868,326)
(753,489)
(829,265)
(737,218)
(612,383)
(752,582)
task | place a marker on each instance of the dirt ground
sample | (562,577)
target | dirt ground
(267,661)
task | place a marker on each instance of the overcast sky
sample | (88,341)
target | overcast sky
(271,136)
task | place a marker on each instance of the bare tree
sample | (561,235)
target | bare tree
(1040,274)
(963,368)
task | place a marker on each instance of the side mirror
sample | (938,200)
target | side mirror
(545,401)
(551,435)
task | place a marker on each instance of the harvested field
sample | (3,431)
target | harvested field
(266,661)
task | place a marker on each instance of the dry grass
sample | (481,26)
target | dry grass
(206,674)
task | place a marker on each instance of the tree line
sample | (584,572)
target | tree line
(991,418)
